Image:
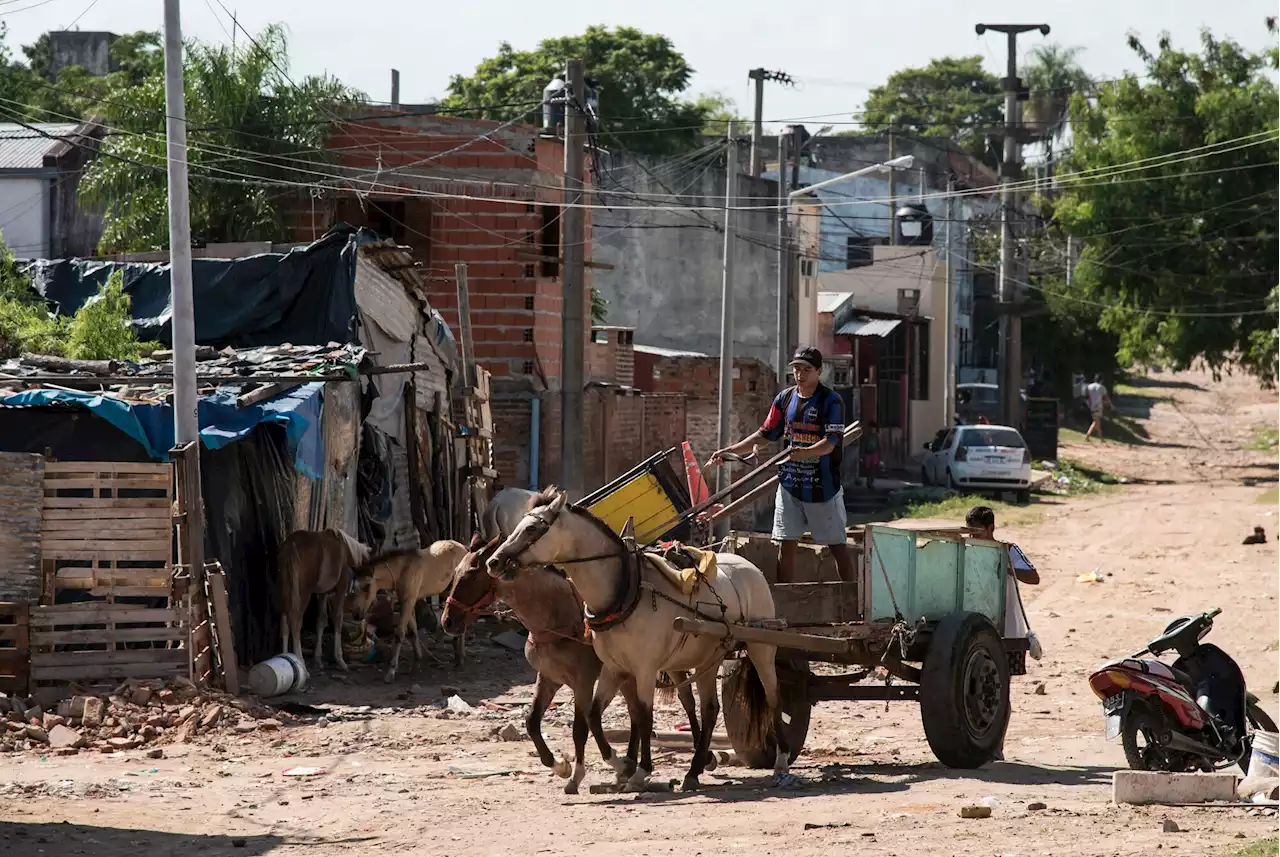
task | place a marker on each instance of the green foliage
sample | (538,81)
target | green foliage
(718,110)
(950,97)
(641,76)
(26,325)
(1179,261)
(101,329)
(599,307)
(1052,76)
(248,121)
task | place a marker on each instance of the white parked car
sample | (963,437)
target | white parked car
(980,458)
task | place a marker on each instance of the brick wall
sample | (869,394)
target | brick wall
(501,233)
(664,418)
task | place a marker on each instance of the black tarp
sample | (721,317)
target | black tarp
(305,296)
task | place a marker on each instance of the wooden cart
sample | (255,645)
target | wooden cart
(922,623)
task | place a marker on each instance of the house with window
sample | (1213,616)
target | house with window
(883,324)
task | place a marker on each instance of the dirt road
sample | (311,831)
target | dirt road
(409,779)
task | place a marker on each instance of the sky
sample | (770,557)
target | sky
(836,52)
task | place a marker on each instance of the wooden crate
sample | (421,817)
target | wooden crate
(101,520)
(14,651)
(93,642)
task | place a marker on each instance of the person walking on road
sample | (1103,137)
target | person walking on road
(809,419)
(1096,394)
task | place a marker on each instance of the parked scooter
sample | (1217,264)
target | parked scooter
(1194,715)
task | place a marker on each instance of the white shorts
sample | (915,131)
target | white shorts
(824,522)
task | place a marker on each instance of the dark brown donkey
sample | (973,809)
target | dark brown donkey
(558,648)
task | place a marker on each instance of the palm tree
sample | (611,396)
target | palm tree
(1053,76)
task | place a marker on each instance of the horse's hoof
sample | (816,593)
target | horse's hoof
(785,780)
(633,787)
(712,762)
(571,788)
(562,768)
(388,678)
(690,784)
(343,667)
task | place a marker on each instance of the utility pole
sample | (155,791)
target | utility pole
(723,477)
(1010,369)
(183,323)
(572,349)
(893,186)
(759,76)
(1071,259)
(784,262)
(949,312)
(395,87)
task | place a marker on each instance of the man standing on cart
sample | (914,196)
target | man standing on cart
(809,419)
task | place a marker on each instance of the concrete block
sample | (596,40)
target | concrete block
(1153,787)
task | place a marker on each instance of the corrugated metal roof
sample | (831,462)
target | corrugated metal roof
(831,301)
(868,327)
(21,148)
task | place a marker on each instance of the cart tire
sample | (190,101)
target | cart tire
(793,680)
(964,691)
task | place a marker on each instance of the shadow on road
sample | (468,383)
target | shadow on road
(1012,773)
(18,839)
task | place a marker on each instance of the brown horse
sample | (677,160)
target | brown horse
(558,648)
(412,574)
(316,562)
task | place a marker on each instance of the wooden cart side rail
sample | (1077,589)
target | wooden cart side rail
(783,639)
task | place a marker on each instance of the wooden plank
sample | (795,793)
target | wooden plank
(83,614)
(106,503)
(747,634)
(133,528)
(803,604)
(264,392)
(151,555)
(124,546)
(106,467)
(124,516)
(111,580)
(81,482)
(89,672)
(98,657)
(118,635)
(222,621)
(130,591)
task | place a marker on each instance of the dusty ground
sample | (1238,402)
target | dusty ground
(406,778)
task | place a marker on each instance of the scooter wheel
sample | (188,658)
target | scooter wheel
(1140,738)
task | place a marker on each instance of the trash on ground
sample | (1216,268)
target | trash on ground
(975,812)
(1094,576)
(303,772)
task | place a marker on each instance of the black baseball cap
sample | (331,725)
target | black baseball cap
(807,356)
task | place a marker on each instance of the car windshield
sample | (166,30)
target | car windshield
(991,437)
(984,395)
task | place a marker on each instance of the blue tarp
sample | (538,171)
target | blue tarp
(221,421)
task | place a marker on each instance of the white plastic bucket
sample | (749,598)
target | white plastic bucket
(1265,761)
(278,675)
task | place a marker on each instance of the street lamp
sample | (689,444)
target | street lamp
(902,163)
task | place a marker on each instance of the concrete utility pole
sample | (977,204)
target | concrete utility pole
(572,351)
(183,322)
(782,358)
(893,186)
(760,75)
(1010,369)
(949,312)
(723,477)
(395,87)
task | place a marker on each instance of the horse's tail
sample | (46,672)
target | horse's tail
(751,698)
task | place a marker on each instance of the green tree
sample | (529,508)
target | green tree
(1052,77)
(950,97)
(102,328)
(1179,257)
(641,77)
(249,122)
(718,110)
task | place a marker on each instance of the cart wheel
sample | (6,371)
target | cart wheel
(964,691)
(793,680)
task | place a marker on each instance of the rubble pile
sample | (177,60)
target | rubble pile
(136,714)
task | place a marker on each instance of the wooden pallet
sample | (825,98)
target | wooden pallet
(101,521)
(14,649)
(92,642)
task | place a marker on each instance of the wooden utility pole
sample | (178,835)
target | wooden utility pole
(1010,369)
(573,347)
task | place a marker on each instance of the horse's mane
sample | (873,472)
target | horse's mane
(551,492)
(357,551)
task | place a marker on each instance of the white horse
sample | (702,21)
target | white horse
(632,608)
